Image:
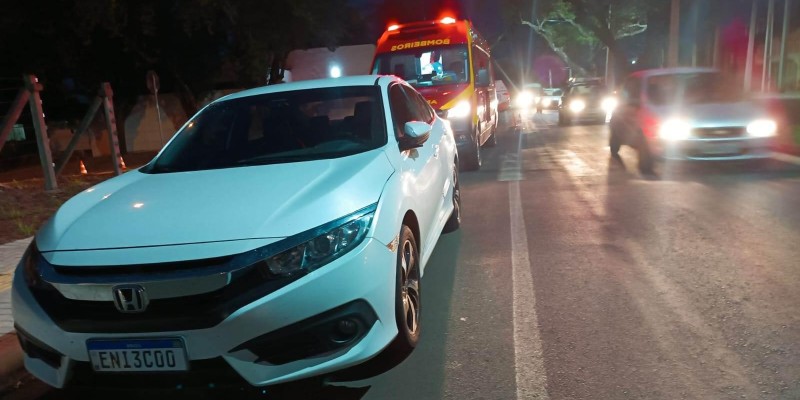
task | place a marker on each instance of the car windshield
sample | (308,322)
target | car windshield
(301,125)
(692,88)
(552,92)
(588,90)
(433,67)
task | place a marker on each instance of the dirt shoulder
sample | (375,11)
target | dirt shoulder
(24,204)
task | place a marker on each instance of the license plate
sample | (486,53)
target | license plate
(136,355)
(726,148)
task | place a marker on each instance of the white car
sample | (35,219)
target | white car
(689,114)
(281,234)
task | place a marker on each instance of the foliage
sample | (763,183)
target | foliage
(573,26)
(194,45)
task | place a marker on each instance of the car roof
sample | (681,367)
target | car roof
(672,71)
(359,80)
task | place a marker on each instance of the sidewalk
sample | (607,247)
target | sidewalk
(10,254)
(11,370)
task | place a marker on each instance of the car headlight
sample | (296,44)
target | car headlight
(674,129)
(609,104)
(524,99)
(30,266)
(460,110)
(762,128)
(330,241)
(577,105)
(546,102)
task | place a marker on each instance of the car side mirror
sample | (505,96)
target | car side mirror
(483,78)
(416,133)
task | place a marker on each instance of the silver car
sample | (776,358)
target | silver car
(689,114)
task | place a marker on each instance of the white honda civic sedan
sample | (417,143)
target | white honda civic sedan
(281,234)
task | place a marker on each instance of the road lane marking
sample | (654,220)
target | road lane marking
(528,356)
(511,164)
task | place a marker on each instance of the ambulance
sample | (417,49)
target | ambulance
(449,63)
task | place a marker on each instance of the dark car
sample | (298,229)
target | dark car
(585,102)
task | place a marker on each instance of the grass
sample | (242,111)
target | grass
(24,228)
(10,212)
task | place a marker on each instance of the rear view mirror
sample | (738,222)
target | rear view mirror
(415,134)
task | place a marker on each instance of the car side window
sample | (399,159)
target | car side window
(425,112)
(403,109)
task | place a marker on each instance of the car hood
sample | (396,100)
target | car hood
(715,114)
(269,201)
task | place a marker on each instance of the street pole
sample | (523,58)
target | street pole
(784,35)
(767,66)
(674,30)
(751,41)
(609,59)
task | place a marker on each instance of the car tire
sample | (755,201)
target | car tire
(562,120)
(407,293)
(492,139)
(454,222)
(614,142)
(646,160)
(472,159)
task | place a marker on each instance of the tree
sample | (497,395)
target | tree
(191,41)
(583,25)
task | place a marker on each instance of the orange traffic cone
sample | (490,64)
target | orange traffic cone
(83,169)
(122,163)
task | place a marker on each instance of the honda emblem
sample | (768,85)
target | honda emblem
(130,298)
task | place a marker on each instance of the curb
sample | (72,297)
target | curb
(12,370)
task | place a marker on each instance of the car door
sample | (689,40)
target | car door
(421,168)
(484,90)
(443,154)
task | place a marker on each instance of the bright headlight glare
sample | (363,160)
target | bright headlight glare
(460,110)
(674,129)
(762,128)
(577,105)
(525,99)
(609,104)
(320,250)
(546,102)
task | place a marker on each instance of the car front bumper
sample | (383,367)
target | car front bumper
(586,115)
(362,282)
(699,149)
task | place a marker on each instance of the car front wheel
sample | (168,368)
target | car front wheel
(454,222)
(472,159)
(614,142)
(645,155)
(407,293)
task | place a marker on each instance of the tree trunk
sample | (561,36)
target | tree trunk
(576,69)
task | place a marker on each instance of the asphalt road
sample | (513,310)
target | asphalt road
(575,277)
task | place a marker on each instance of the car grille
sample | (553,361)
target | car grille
(162,315)
(719,133)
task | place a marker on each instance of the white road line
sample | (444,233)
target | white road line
(786,158)
(528,357)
